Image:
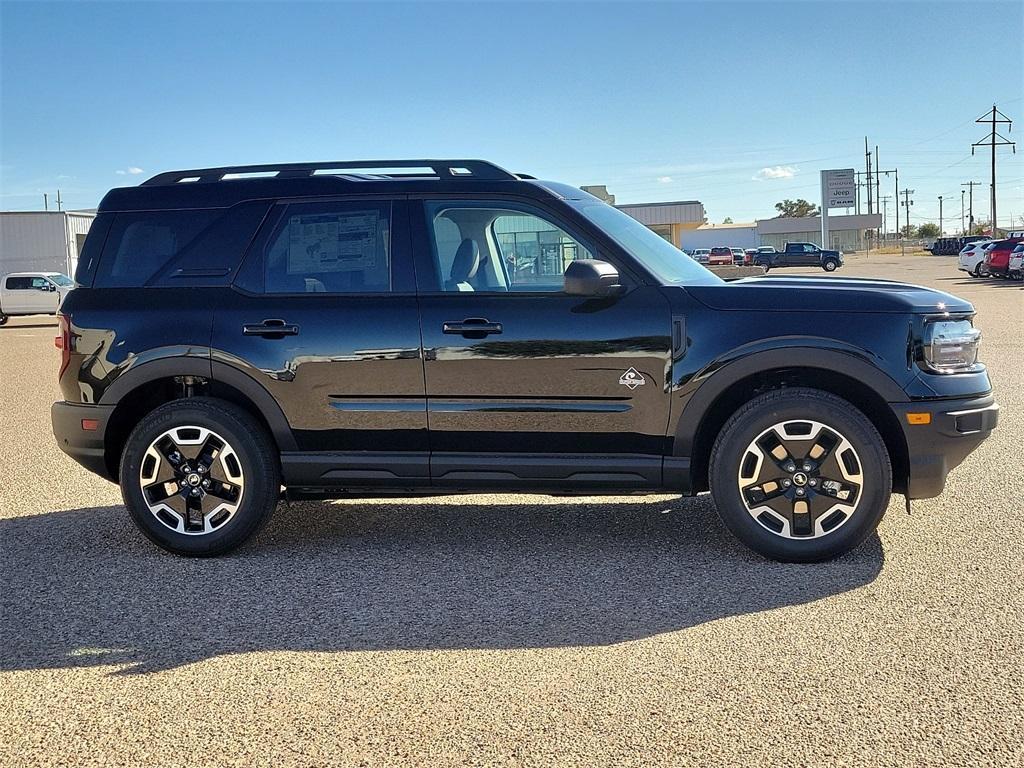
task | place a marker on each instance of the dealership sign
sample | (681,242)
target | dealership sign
(840,188)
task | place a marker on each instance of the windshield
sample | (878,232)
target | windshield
(61,280)
(662,259)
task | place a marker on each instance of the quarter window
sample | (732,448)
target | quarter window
(331,248)
(141,244)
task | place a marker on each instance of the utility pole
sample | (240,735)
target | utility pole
(46,202)
(994,140)
(940,215)
(884,202)
(970,206)
(907,202)
(878,178)
(962,193)
(867,164)
(58,200)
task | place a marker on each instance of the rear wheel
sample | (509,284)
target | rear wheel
(199,476)
(3,318)
(800,475)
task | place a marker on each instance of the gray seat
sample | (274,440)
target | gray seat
(464,266)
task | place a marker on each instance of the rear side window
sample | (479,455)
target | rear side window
(336,247)
(141,244)
(182,248)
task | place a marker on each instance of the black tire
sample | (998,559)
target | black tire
(257,459)
(830,265)
(772,408)
(3,319)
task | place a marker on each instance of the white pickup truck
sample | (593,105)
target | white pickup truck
(33,293)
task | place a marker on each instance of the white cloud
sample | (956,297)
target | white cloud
(132,170)
(664,179)
(778,172)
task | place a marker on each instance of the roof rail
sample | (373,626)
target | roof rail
(443,169)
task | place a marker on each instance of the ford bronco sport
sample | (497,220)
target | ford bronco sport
(420,326)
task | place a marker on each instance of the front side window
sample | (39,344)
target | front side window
(341,247)
(496,246)
(62,280)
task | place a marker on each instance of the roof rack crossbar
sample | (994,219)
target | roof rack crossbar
(444,169)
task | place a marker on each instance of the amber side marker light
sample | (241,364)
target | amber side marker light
(90,425)
(919,418)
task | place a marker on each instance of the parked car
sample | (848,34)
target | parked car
(952,246)
(737,255)
(1016,266)
(720,256)
(972,258)
(800,255)
(997,256)
(32,293)
(339,333)
(700,255)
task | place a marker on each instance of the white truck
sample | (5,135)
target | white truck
(33,293)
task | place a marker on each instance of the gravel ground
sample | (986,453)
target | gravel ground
(511,630)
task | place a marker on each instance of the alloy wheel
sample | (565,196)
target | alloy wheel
(191,480)
(801,479)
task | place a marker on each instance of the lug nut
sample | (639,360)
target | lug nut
(800,491)
(786,483)
(206,483)
(807,466)
(812,482)
(184,483)
(201,468)
(195,491)
(791,467)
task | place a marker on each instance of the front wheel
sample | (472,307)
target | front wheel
(800,475)
(3,318)
(830,265)
(199,476)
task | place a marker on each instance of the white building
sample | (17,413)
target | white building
(42,241)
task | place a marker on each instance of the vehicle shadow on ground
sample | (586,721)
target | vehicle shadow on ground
(83,588)
(993,282)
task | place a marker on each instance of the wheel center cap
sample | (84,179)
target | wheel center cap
(193,479)
(800,479)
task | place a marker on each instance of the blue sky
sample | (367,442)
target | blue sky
(734,104)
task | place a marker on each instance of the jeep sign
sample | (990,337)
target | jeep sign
(840,188)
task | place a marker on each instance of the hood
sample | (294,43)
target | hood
(827,294)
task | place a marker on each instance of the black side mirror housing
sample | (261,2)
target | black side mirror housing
(591,277)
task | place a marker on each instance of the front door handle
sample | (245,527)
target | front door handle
(273,328)
(472,327)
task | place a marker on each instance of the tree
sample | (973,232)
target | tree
(909,231)
(796,209)
(980,227)
(929,230)
(727,220)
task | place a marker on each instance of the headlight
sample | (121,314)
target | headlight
(951,346)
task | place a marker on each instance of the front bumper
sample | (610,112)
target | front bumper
(955,429)
(87,447)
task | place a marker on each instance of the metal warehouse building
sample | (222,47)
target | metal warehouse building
(42,241)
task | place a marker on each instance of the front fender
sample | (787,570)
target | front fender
(697,395)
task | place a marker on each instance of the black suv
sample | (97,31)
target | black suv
(421,326)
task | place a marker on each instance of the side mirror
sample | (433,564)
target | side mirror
(591,277)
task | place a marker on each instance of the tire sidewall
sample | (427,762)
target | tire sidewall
(259,494)
(830,265)
(831,411)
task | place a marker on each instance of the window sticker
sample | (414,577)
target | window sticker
(334,242)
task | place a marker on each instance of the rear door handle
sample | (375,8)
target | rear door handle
(473,327)
(273,328)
